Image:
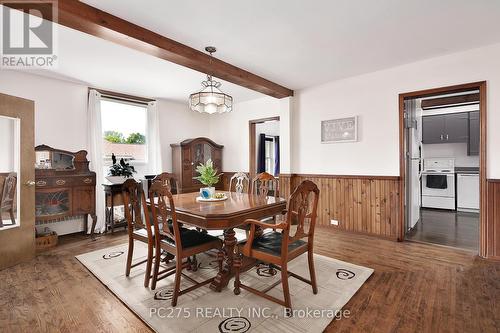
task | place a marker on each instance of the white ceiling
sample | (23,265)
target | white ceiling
(101,64)
(300,43)
(295,43)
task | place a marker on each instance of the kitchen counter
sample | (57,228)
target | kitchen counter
(467,170)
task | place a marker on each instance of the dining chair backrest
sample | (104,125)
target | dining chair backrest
(241,182)
(8,191)
(132,202)
(162,211)
(263,184)
(302,205)
(169,180)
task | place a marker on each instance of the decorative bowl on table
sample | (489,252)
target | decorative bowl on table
(215,197)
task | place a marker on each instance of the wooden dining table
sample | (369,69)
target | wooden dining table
(225,215)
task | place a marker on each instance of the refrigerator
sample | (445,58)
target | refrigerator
(414,162)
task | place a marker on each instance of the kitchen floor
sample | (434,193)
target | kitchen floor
(450,228)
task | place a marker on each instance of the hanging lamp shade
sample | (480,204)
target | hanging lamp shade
(210,99)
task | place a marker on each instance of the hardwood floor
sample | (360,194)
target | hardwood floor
(415,288)
(450,228)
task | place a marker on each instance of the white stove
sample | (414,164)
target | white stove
(438,183)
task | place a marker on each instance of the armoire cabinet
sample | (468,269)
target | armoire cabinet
(187,155)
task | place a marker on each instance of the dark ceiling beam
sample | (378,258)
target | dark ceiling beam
(82,17)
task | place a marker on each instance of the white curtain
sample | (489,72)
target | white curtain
(95,155)
(153,137)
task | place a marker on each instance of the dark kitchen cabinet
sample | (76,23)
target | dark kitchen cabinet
(433,129)
(445,128)
(473,144)
(456,127)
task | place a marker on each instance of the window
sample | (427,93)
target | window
(124,128)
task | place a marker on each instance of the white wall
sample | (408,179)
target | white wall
(374,97)
(60,108)
(232,131)
(178,123)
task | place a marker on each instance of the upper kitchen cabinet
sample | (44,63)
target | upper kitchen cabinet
(445,128)
(473,144)
(433,129)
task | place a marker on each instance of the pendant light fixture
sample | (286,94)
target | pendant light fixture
(210,99)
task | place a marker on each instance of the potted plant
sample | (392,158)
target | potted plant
(119,172)
(207,176)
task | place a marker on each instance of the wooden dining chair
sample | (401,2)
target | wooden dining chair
(239,182)
(264,184)
(181,243)
(279,248)
(8,197)
(138,229)
(169,180)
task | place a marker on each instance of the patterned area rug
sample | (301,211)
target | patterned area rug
(204,310)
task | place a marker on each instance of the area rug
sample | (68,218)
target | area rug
(204,310)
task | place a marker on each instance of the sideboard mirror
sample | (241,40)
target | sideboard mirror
(54,159)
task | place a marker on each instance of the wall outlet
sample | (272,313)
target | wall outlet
(334,222)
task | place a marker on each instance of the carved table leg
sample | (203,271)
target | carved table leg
(224,275)
(94,222)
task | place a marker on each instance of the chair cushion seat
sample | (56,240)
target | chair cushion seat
(271,243)
(190,238)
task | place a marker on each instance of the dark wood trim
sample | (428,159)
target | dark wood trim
(122,97)
(263,120)
(451,100)
(252,142)
(443,90)
(344,176)
(82,17)
(485,237)
(493,180)
(484,224)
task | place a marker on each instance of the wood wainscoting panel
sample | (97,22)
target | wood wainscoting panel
(493,219)
(361,204)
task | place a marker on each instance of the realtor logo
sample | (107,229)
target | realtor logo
(28,34)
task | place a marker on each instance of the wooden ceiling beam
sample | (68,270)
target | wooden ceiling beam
(82,17)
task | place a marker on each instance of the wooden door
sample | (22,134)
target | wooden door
(17,152)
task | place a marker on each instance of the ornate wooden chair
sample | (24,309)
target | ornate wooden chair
(181,243)
(279,248)
(8,197)
(169,180)
(133,199)
(264,184)
(238,181)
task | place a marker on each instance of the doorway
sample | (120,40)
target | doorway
(443,165)
(264,146)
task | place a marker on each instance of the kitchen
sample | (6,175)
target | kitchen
(443,188)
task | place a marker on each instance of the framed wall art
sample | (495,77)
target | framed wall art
(339,130)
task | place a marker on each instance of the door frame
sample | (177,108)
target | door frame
(252,142)
(481,86)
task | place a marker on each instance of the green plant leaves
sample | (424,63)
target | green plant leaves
(208,174)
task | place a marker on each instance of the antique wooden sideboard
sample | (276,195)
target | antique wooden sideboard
(65,187)
(187,155)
